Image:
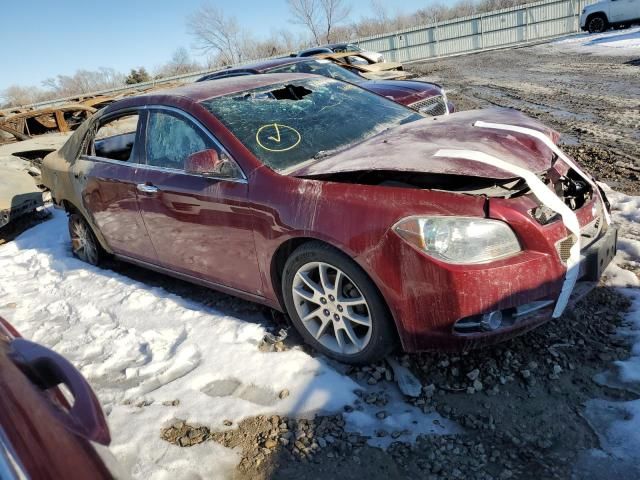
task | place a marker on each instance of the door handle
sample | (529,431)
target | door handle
(47,369)
(145,188)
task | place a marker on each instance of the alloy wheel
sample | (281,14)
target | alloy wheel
(332,308)
(597,25)
(82,242)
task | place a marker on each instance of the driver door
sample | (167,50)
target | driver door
(199,225)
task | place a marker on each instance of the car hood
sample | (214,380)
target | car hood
(412,147)
(403,91)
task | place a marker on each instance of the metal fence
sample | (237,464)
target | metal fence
(501,28)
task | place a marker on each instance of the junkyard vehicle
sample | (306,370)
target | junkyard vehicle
(427,98)
(599,16)
(365,67)
(373,57)
(23,125)
(42,436)
(362,219)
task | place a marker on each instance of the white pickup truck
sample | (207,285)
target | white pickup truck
(609,13)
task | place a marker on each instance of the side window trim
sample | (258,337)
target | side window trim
(201,128)
(93,130)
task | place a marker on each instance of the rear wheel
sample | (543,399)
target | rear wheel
(84,244)
(597,24)
(335,306)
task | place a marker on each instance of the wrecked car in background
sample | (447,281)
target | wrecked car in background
(427,98)
(362,219)
(23,125)
(372,57)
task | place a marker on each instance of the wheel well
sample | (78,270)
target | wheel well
(69,207)
(280,258)
(597,14)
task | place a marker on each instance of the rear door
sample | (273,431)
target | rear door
(106,170)
(200,225)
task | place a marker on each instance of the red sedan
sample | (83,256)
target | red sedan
(41,436)
(365,221)
(424,97)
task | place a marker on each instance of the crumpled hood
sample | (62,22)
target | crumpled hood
(412,147)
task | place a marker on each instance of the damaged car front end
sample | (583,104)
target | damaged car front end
(363,220)
(533,237)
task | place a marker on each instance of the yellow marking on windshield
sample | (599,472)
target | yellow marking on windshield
(283,139)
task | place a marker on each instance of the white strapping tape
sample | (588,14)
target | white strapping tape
(550,200)
(555,149)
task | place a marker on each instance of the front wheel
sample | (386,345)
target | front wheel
(597,24)
(84,244)
(335,306)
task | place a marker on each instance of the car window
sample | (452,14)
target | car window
(285,125)
(171,139)
(326,68)
(116,137)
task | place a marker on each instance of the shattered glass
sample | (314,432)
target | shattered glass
(285,125)
(170,140)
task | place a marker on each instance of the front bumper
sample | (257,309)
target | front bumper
(428,299)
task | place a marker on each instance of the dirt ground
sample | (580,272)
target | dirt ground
(519,404)
(593,101)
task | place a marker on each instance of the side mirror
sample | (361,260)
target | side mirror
(210,163)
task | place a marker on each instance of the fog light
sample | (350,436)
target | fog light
(491,321)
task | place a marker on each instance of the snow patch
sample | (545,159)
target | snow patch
(617,424)
(613,42)
(142,349)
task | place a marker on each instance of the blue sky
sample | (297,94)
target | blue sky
(43,38)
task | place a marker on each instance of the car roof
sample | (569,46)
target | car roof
(261,66)
(198,92)
(314,49)
(336,45)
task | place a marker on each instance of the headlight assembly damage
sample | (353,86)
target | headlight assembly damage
(460,240)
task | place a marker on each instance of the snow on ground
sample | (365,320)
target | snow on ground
(617,424)
(613,42)
(142,349)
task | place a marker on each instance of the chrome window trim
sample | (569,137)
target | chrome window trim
(160,169)
(196,122)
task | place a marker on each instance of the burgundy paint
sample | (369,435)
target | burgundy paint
(232,230)
(48,441)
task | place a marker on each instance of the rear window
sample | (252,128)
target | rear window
(285,125)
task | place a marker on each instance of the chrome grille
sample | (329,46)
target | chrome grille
(433,106)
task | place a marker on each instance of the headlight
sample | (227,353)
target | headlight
(459,240)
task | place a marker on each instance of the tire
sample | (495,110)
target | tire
(321,310)
(597,24)
(84,244)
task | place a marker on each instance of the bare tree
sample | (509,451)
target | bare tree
(16,95)
(335,11)
(180,63)
(308,14)
(216,34)
(85,81)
